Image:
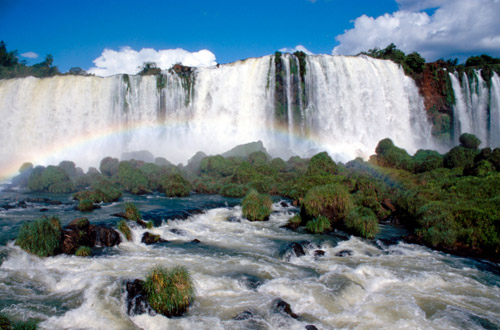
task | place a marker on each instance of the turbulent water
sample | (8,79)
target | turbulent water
(244,266)
(477,107)
(344,105)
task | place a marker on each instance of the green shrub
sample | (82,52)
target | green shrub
(169,291)
(132,179)
(256,207)
(83,251)
(321,164)
(176,186)
(460,157)
(217,166)
(427,160)
(125,229)
(51,179)
(436,224)
(391,156)
(482,168)
(494,158)
(363,222)
(318,225)
(131,212)
(469,141)
(150,224)
(26,325)
(295,221)
(85,205)
(109,166)
(68,167)
(234,190)
(244,173)
(332,201)
(41,237)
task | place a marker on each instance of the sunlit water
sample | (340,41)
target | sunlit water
(244,266)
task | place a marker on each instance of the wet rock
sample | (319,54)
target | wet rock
(293,249)
(196,241)
(311,327)
(245,315)
(250,281)
(103,236)
(43,201)
(22,204)
(7,206)
(344,253)
(387,204)
(284,204)
(319,253)
(75,234)
(281,306)
(296,202)
(297,249)
(148,239)
(136,299)
(233,219)
(179,232)
(43,209)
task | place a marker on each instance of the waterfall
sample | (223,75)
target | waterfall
(343,105)
(476,108)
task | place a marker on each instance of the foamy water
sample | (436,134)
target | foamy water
(244,266)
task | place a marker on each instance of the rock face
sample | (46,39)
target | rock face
(137,302)
(81,233)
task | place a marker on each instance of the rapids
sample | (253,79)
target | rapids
(244,266)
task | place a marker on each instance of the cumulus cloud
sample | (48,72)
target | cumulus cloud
(30,55)
(456,29)
(298,48)
(128,60)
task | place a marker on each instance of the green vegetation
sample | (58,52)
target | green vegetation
(175,185)
(83,251)
(132,212)
(332,201)
(85,205)
(41,237)
(363,222)
(169,291)
(51,179)
(6,324)
(125,229)
(256,207)
(11,67)
(319,225)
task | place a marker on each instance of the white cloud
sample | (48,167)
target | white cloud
(128,60)
(30,55)
(456,28)
(298,48)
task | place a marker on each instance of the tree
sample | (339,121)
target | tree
(149,68)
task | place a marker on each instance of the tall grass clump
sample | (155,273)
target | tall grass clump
(332,201)
(256,207)
(83,251)
(169,291)
(125,229)
(363,222)
(131,212)
(318,225)
(41,237)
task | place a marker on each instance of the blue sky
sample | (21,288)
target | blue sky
(77,32)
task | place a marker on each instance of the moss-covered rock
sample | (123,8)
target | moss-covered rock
(469,141)
(256,207)
(41,237)
(132,179)
(460,157)
(85,205)
(321,164)
(132,212)
(427,160)
(83,251)
(169,291)
(125,229)
(391,156)
(109,166)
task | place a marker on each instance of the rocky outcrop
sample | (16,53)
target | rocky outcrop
(136,299)
(148,239)
(81,233)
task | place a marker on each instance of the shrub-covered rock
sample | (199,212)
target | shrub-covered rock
(85,205)
(21,180)
(109,166)
(125,229)
(256,207)
(363,222)
(68,167)
(321,164)
(217,166)
(176,186)
(132,212)
(169,291)
(41,237)
(319,225)
(132,179)
(437,226)
(391,156)
(332,201)
(101,191)
(234,190)
(294,222)
(469,141)
(51,179)
(460,157)
(482,168)
(494,159)
(427,160)
(83,251)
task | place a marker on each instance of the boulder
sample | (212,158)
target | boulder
(344,253)
(281,306)
(148,239)
(136,299)
(102,235)
(245,315)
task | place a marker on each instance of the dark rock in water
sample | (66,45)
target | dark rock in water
(293,249)
(136,298)
(177,231)
(297,249)
(284,204)
(196,241)
(311,327)
(281,306)
(344,253)
(245,315)
(103,236)
(250,281)
(319,253)
(22,204)
(233,219)
(148,239)
(7,207)
(42,201)
(43,209)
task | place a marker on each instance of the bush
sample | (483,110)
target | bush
(482,168)
(469,141)
(176,186)
(332,201)
(460,157)
(391,156)
(109,166)
(169,291)
(125,229)
(256,207)
(41,237)
(132,179)
(216,166)
(318,225)
(51,179)
(436,224)
(294,222)
(131,212)
(321,164)
(234,190)
(427,160)
(83,251)
(85,205)
(363,222)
